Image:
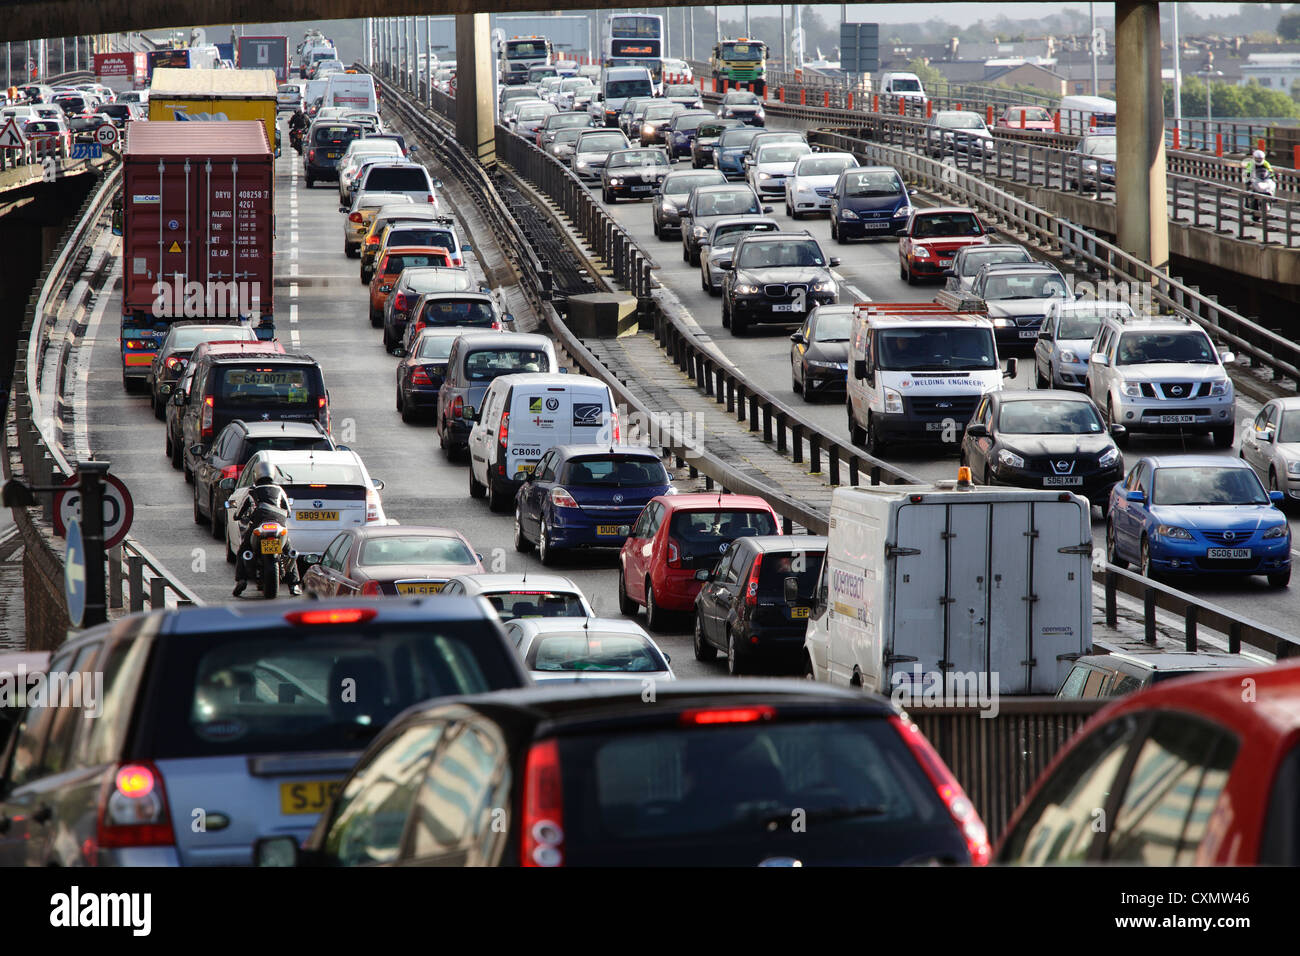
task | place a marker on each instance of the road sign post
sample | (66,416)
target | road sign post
(92,475)
(106,134)
(859,47)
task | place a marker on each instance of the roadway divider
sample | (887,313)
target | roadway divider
(1264,347)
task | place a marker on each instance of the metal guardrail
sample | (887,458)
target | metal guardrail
(37,416)
(1263,347)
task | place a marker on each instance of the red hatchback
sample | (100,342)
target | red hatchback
(932,237)
(1197,771)
(675,536)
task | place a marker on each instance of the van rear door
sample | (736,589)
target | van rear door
(540,419)
(590,422)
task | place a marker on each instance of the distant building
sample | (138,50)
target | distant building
(1274,71)
(1029,74)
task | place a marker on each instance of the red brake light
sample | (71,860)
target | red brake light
(132,811)
(174,362)
(372,240)
(949,790)
(355,217)
(371,588)
(399,303)
(230,471)
(420,376)
(541,823)
(617,435)
(205,424)
(561,498)
(342,615)
(457,407)
(430,198)
(727,715)
(751,587)
(674,554)
(311,155)
(504,430)
(134,781)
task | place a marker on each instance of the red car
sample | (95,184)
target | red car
(1196,771)
(675,536)
(933,236)
(1027,117)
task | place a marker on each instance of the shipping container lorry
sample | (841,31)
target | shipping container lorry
(264,53)
(935,589)
(197,218)
(216,95)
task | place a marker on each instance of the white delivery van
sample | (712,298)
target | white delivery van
(524,416)
(906,85)
(1087,114)
(989,587)
(916,372)
(354,91)
(618,83)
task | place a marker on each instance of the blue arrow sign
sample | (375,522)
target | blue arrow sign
(87,151)
(74,574)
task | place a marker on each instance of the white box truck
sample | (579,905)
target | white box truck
(952,585)
(354,91)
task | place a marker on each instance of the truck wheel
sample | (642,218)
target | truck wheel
(704,651)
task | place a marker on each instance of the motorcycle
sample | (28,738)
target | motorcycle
(1261,188)
(265,558)
(295,140)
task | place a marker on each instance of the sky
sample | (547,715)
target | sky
(964,14)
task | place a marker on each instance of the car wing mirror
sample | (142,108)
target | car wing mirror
(1265,435)
(703,574)
(1136,495)
(196,450)
(1097,358)
(1012,366)
(226,484)
(724,263)
(977,430)
(1227,357)
(767,210)
(1277,497)
(1117,429)
(797,337)
(835,261)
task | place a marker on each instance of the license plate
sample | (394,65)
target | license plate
(418,587)
(876,225)
(640,189)
(525,467)
(612,530)
(798,612)
(1029,333)
(945,260)
(307,796)
(934,426)
(331,155)
(1177,419)
(271,545)
(1228,553)
(316,515)
(1057,481)
(784,307)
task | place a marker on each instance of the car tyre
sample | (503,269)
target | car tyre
(705,652)
(1144,565)
(739,325)
(215,516)
(1040,380)
(198,515)
(626,606)
(795,385)
(1280,580)
(497,500)
(655,617)
(376,319)
(522,544)
(309,182)
(230,552)
(686,253)
(875,444)
(1122,439)
(1112,546)
(1223,437)
(545,552)
(735,666)
(857,436)
(160,409)
(409,413)
(177,454)
(476,490)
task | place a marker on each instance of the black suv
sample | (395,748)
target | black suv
(775,277)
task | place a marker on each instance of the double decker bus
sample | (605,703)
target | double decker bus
(741,61)
(636,39)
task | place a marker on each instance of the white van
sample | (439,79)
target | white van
(526,415)
(617,83)
(1087,114)
(927,589)
(916,372)
(906,85)
(355,91)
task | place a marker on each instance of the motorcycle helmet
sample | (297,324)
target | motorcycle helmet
(1258,155)
(263,474)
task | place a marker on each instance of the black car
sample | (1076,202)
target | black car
(230,451)
(710,774)
(1045,438)
(470,311)
(744,106)
(819,355)
(651,125)
(706,205)
(672,194)
(326,142)
(406,292)
(421,370)
(1130,670)
(633,173)
(754,605)
(174,354)
(775,278)
(706,138)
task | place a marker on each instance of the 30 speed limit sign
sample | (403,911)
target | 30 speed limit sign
(106,134)
(118,509)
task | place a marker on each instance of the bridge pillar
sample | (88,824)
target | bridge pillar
(1140,197)
(475,109)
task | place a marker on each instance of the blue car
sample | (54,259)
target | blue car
(731,148)
(681,131)
(586,496)
(869,201)
(1198,514)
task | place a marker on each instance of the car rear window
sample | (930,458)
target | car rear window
(439,280)
(279,691)
(435,347)
(412,260)
(474,314)
(267,385)
(804,566)
(415,549)
(746,782)
(319,475)
(699,534)
(513,604)
(615,471)
(582,652)
(404,179)
(418,236)
(335,135)
(487,364)
(301,443)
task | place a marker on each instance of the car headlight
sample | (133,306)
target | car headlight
(902,211)
(824,285)
(1219,387)
(615,181)
(815,364)
(1002,323)
(893,402)
(669,206)
(1010,459)
(1173,531)
(1108,457)
(1131,389)
(746,288)
(1069,357)
(848,214)
(921,252)
(699,232)
(764,175)
(1293,468)
(648,128)
(729,113)
(581,164)
(1277,531)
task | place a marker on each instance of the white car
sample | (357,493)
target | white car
(808,187)
(573,93)
(679,70)
(962,130)
(587,649)
(288,97)
(524,595)
(772,164)
(329,492)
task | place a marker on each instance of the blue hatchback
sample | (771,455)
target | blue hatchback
(586,496)
(731,148)
(1198,514)
(869,201)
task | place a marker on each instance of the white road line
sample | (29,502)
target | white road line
(293,290)
(858,294)
(293,312)
(293,337)
(293,252)
(293,235)
(293,269)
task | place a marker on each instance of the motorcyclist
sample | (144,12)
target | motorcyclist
(1258,165)
(266,501)
(297,126)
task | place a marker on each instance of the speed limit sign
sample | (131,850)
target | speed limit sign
(106,134)
(118,509)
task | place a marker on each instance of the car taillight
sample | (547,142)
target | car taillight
(504,431)
(542,821)
(132,810)
(674,554)
(561,498)
(338,615)
(613,417)
(311,155)
(138,344)
(174,362)
(355,217)
(420,376)
(751,586)
(205,423)
(399,302)
(230,471)
(430,198)
(371,589)
(949,790)
(372,506)
(457,407)
(323,412)
(372,240)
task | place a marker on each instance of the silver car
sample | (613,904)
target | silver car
(721,240)
(1065,340)
(1271,444)
(587,649)
(592,148)
(524,595)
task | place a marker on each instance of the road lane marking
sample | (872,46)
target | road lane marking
(293,290)
(293,312)
(293,235)
(293,337)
